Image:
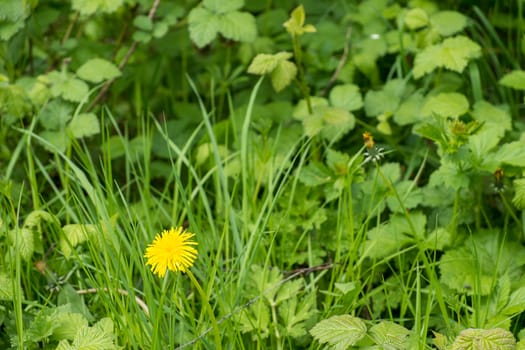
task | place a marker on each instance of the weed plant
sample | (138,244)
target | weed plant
(258,174)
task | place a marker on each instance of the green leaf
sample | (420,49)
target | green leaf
(337,122)
(515,79)
(295,24)
(446,104)
(56,141)
(68,87)
(448,22)
(84,125)
(390,335)
(340,332)
(453,53)
(516,303)
(346,96)
(519,193)
(6,287)
(492,116)
(94,338)
(512,153)
(477,339)
(265,63)
(75,234)
(223,6)
(385,101)
(416,18)
(55,114)
(97,70)
(24,240)
(315,174)
(283,74)
(301,109)
(68,325)
(203,26)
(294,314)
(89,7)
(14,103)
(143,23)
(238,26)
(383,241)
(409,110)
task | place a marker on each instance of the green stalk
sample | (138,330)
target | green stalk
(303,86)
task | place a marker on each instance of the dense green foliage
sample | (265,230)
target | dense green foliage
(354,172)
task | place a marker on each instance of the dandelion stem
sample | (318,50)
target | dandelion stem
(207,306)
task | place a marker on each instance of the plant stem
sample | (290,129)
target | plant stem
(303,86)
(207,306)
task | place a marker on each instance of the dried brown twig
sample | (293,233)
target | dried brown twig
(341,63)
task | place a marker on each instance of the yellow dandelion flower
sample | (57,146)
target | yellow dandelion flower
(171,250)
(368,140)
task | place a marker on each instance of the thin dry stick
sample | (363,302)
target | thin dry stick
(139,301)
(293,274)
(124,61)
(341,63)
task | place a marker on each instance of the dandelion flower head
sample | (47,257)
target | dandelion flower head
(171,250)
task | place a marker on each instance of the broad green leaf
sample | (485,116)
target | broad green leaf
(390,335)
(68,87)
(313,124)
(256,318)
(409,110)
(75,234)
(238,26)
(512,153)
(337,161)
(266,63)
(383,241)
(84,125)
(346,96)
(340,332)
(386,100)
(448,22)
(97,70)
(519,193)
(24,240)
(416,18)
(437,239)
(345,288)
(14,103)
(89,7)
(68,324)
(94,338)
(453,53)
(315,174)
(288,290)
(337,122)
(64,345)
(12,17)
(514,79)
(409,194)
(223,6)
(446,104)
(301,109)
(283,74)
(295,313)
(6,287)
(143,23)
(55,114)
(477,339)
(55,141)
(516,302)
(492,116)
(203,26)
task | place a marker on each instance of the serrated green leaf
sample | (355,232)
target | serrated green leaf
(477,339)
(89,7)
(340,332)
(97,70)
(516,302)
(448,22)
(416,18)
(223,6)
(446,104)
(238,26)
(295,313)
(453,53)
(337,122)
(67,325)
(8,29)
(84,125)
(437,239)
(386,100)
(55,114)
(514,79)
(492,116)
(519,193)
(283,74)
(288,290)
(203,26)
(512,153)
(93,338)
(266,63)
(409,194)
(391,335)
(295,24)
(6,287)
(301,109)
(68,87)
(315,174)
(382,241)
(75,234)
(12,10)
(14,103)
(346,96)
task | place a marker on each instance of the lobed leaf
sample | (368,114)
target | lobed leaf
(238,26)
(97,70)
(476,339)
(340,331)
(203,26)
